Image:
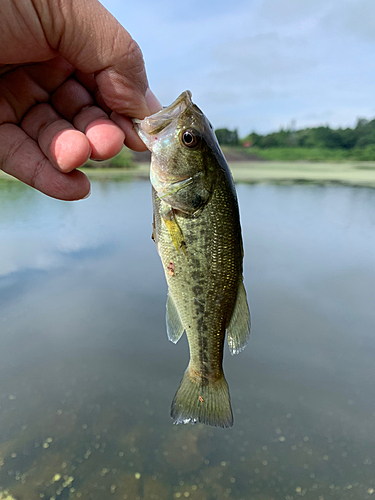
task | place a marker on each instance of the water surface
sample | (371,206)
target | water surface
(87,374)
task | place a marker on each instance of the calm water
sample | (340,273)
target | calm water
(87,374)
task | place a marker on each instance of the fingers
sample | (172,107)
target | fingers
(153,102)
(132,139)
(85,37)
(23,87)
(70,98)
(105,137)
(94,42)
(75,103)
(21,157)
(65,147)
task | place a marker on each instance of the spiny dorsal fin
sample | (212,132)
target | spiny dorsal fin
(238,330)
(174,325)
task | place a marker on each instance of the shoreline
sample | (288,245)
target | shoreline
(353,173)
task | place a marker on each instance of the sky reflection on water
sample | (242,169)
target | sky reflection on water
(87,374)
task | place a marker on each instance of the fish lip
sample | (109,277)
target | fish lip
(153,124)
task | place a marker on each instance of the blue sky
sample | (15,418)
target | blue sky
(259,64)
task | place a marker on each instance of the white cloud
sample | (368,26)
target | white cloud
(352,18)
(264,57)
(285,13)
(260,64)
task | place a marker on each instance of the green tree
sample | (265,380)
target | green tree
(322,138)
(227,137)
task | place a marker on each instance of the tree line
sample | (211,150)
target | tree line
(361,136)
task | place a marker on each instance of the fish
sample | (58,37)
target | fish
(197,232)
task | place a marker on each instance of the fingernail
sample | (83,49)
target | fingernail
(152,102)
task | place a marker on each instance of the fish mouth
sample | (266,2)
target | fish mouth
(154,124)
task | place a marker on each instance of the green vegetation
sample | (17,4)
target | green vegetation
(123,160)
(309,144)
(229,137)
(304,153)
(319,173)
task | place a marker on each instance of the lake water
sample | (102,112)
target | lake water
(87,374)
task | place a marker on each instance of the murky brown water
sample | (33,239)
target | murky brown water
(87,374)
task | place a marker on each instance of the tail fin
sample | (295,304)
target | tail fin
(208,404)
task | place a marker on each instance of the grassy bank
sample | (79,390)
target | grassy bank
(350,173)
(303,154)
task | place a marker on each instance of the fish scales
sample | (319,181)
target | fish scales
(204,291)
(198,236)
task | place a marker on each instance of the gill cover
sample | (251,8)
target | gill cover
(179,138)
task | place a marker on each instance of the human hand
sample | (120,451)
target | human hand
(70,78)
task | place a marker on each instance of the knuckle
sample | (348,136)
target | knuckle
(12,148)
(37,119)
(134,52)
(37,171)
(136,64)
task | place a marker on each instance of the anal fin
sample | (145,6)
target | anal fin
(175,328)
(238,330)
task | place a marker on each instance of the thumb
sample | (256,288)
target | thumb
(85,34)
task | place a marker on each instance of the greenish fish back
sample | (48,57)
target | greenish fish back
(205,403)
(238,330)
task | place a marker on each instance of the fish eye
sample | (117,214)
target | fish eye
(189,138)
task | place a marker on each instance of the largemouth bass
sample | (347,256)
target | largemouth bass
(197,233)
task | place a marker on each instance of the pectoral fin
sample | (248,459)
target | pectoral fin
(174,230)
(174,325)
(238,331)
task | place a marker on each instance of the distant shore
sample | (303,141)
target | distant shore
(348,173)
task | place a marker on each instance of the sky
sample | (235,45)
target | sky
(259,65)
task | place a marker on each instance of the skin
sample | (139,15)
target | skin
(71,77)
